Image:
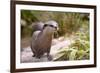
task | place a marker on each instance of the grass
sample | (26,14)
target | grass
(78,50)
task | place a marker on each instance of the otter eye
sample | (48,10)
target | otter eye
(51,25)
(45,26)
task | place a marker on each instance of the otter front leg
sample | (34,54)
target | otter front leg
(48,52)
(48,55)
(34,53)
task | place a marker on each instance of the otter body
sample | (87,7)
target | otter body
(41,40)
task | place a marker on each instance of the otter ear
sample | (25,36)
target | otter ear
(45,25)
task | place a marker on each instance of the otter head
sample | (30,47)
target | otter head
(50,26)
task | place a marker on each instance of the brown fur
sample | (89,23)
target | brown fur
(41,44)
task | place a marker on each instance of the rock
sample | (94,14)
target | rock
(26,53)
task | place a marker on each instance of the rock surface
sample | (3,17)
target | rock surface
(26,53)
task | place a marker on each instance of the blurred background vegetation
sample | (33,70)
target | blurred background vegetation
(70,23)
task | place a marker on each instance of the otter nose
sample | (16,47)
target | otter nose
(56,28)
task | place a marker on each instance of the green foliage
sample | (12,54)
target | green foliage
(78,50)
(28,16)
(65,54)
(25,31)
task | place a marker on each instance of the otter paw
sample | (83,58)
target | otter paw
(49,57)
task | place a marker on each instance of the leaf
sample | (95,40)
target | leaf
(73,55)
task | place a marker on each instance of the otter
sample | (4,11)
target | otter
(42,39)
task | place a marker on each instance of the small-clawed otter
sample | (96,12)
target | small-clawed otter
(42,39)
